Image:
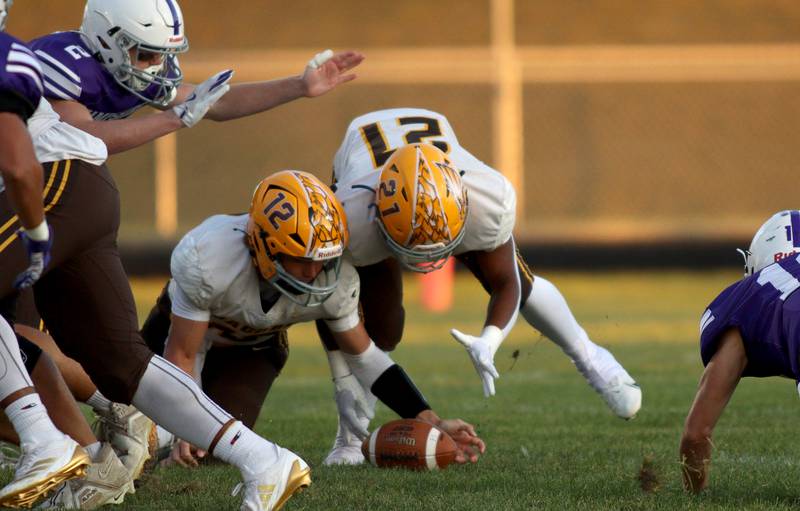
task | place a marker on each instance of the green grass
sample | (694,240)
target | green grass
(552,443)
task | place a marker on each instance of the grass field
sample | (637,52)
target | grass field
(552,443)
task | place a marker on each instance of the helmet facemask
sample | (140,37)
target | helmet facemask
(167,75)
(304,293)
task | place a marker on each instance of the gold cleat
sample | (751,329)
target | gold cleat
(299,479)
(41,470)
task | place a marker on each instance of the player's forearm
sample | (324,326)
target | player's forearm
(25,194)
(504,307)
(124,134)
(245,99)
(183,359)
(21,171)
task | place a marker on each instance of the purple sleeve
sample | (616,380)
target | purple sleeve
(20,77)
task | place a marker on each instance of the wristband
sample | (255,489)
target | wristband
(39,233)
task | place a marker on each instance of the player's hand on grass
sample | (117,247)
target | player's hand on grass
(351,400)
(481,350)
(470,446)
(327,70)
(38,255)
(185,454)
(202,98)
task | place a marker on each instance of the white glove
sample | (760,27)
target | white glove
(320,58)
(481,350)
(351,400)
(196,106)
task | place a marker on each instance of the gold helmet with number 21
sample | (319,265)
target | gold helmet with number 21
(294,214)
(421,206)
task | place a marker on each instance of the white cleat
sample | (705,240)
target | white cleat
(607,376)
(106,482)
(270,490)
(346,450)
(130,432)
(41,468)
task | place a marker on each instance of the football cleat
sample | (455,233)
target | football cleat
(106,482)
(270,490)
(607,376)
(130,432)
(42,468)
(9,455)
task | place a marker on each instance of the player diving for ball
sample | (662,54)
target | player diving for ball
(413,196)
(239,282)
(752,328)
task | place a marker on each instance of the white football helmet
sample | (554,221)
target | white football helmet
(115,27)
(777,239)
(4,5)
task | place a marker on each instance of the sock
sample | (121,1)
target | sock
(93,450)
(31,422)
(14,375)
(546,310)
(242,448)
(165,438)
(99,402)
(173,399)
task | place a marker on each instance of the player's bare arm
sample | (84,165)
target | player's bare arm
(376,371)
(382,302)
(20,169)
(245,99)
(185,338)
(498,270)
(717,385)
(119,135)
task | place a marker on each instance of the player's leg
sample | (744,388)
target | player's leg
(117,359)
(545,308)
(48,456)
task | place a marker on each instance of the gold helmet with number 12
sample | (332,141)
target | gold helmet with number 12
(294,214)
(421,206)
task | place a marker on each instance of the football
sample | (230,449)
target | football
(411,444)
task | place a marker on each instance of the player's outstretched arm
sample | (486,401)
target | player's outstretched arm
(499,273)
(389,382)
(323,73)
(716,387)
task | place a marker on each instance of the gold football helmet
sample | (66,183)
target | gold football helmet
(421,206)
(293,213)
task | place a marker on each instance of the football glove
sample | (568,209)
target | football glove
(38,257)
(196,106)
(351,400)
(481,350)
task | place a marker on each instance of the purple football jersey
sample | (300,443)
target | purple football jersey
(20,73)
(766,311)
(72,73)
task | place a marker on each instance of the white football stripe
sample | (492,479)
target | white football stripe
(20,57)
(372,439)
(21,48)
(430,448)
(44,57)
(57,92)
(57,78)
(25,70)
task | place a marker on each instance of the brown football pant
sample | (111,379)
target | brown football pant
(84,296)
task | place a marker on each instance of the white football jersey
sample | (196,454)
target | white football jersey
(368,143)
(214,280)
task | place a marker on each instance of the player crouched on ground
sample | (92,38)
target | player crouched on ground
(751,329)
(239,282)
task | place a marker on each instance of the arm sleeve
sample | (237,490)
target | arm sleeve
(343,305)
(14,103)
(182,305)
(189,290)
